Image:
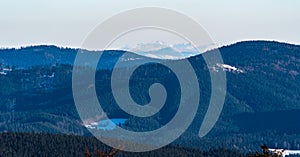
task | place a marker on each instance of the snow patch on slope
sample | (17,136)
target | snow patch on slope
(226,67)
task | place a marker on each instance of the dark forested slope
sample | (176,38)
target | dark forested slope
(262,101)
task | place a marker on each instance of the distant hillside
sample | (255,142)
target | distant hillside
(37,55)
(50,55)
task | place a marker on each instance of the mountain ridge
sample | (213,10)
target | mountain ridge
(77,48)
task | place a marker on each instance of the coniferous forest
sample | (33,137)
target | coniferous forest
(41,144)
(262,106)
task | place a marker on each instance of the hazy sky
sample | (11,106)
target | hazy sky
(67,22)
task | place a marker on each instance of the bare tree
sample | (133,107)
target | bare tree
(100,153)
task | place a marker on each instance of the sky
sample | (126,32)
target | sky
(66,23)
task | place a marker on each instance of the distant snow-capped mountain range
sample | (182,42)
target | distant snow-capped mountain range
(163,50)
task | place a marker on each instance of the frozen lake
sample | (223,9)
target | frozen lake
(107,124)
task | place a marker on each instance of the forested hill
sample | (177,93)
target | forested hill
(262,103)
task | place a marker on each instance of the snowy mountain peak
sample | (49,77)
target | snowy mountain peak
(163,50)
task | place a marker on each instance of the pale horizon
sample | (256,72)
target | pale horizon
(67,23)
